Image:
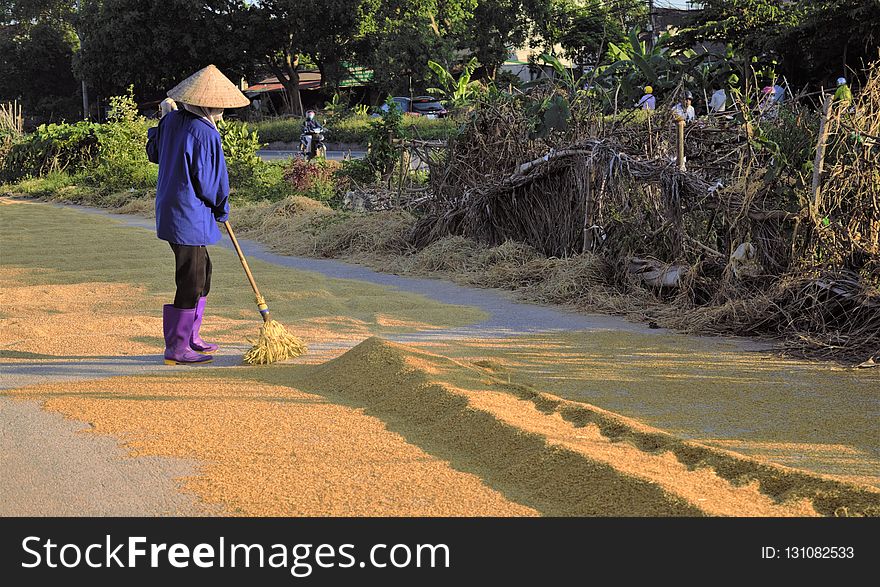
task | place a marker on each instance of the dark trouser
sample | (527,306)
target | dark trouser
(192,273)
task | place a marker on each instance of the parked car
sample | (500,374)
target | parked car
(420,105)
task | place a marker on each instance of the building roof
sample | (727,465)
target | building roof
(311,80)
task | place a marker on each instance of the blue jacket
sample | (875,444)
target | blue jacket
(193,188)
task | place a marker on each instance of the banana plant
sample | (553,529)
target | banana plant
(634,64)
(336,105)
(460,91)
(553,112)
(564,75)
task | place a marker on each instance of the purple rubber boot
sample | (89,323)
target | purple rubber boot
(178,326)
(196,343)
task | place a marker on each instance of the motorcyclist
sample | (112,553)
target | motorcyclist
(310,126)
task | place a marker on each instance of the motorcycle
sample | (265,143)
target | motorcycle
(312,143)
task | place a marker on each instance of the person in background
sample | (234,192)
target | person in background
(843,94)
(192,195)
(684,110)
(648,101)
(778,94)
(718,102)
(309,125)
(767,106)
(257,106)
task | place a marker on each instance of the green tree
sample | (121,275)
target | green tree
(628,14)
(833,38)
(287,33)
(586,29)
(155,44)
(750,26)
(813,41)
(579,27)
(401,36)
(37,46)
(277,27)
(495,28)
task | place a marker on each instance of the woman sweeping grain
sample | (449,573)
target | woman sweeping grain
(192,195)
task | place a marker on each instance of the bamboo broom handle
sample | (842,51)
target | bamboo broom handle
(261,302)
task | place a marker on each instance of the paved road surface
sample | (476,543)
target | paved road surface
(69,473)
(272,155)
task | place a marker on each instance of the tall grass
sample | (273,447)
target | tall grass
(11,124)
(11,121)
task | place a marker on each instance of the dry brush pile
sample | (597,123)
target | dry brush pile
(771,230)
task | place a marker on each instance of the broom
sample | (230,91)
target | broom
(274,343)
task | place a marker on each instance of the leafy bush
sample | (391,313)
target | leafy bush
(108,156)
(122,160)
(266,183)
(383,132)
(53,147)
(240,146)
(356,170)
(314,179)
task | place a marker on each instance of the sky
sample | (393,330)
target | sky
(671,3)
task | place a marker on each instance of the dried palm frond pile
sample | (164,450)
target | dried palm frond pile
(772,228)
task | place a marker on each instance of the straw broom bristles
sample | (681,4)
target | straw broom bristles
(274,344)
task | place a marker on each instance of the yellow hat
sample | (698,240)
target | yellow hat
(649,90)
(208,88)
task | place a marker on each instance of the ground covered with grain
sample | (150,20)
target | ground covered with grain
(364,426)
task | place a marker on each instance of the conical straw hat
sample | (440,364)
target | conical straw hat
(208,87)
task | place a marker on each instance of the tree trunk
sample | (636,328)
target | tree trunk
(288,76)
(491,70)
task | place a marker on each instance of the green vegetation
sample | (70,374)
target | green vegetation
(106,164)
(121,162)
(48,47)
(353,129)
(808,41)
(456,91)
(38,47)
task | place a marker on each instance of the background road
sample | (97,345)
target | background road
(273,155)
